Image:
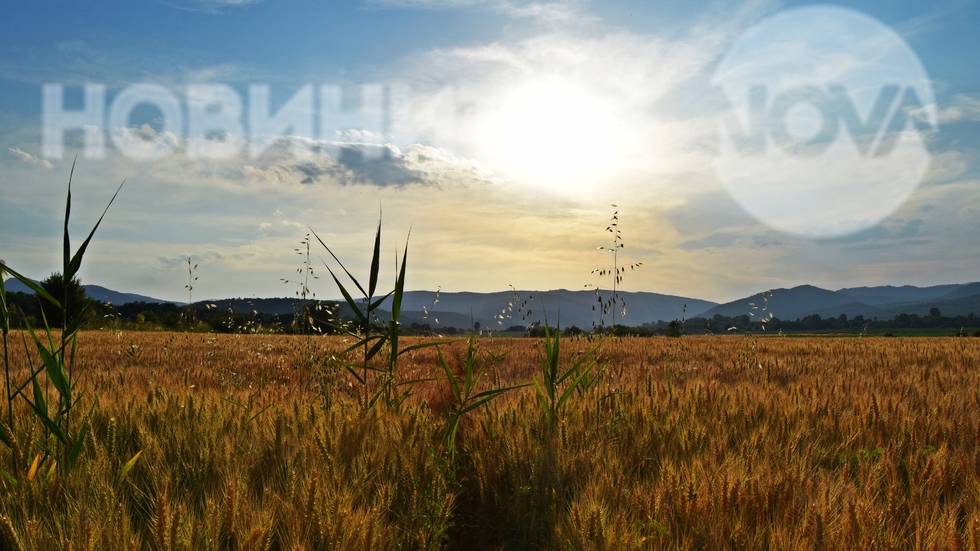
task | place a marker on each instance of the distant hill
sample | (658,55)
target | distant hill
(503,309)
(884,302)
(560,306)
(498,310)
(890,295)
(95,292)
(274,306)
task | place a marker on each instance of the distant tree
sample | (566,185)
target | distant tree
(675,328)
(70,294)
(934,312)
(147,316)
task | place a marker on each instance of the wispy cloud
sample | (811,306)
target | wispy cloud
(76,63)
(28,158)
(963,108)
(431,4)
(209,6)
(549,13)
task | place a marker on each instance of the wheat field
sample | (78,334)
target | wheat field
(735,442)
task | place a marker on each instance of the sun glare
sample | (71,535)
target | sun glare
(550,133)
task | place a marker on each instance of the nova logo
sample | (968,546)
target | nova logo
(829,114)
(833,116)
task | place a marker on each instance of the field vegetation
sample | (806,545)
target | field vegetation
(262,442)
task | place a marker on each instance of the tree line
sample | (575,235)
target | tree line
(321,317)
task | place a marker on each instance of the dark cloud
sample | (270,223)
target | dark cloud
(311,172)
(888,233)
(708,212)
(725,239)
(381,166)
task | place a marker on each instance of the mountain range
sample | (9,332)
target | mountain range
(516,307)
(95,292)
(871,302)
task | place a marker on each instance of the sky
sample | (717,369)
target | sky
(498,138)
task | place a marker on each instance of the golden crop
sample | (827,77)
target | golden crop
(735,442)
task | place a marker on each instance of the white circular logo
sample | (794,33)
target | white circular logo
(825,135)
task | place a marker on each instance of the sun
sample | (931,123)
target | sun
(551,133)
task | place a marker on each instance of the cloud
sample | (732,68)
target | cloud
(429,4)
(351,163)
(963,108)
(649,91)
(351,167)
(887,234)
(546,13)
(210,6)
(28,158)
(726,238)
(77,63)
(213,256)
(144,142)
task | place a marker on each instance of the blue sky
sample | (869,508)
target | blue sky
(522,123)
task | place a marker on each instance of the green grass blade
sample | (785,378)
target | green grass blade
(234,402)
(374,305)
(542,397)
(49,424)
(377,347)
(347,296)
(377,395)
(572,386)
(47,451)
(38,290)
(351,369)
(359,344)
(421,345)
(487,395)
(450,377)
(76,323)
(396,301)
(9,478)
(422,380)
(67,240)
(127,467)
(375,262)
(39,396)
(72,267)
(77,448)
(4,326)
(358,285)
(56,372)
(260,412)
(469,365)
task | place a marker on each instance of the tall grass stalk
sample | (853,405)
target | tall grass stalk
(464,396)
(557,385)
(613,303)
(191,279)
(303,292)
(57,357)
(371,343)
